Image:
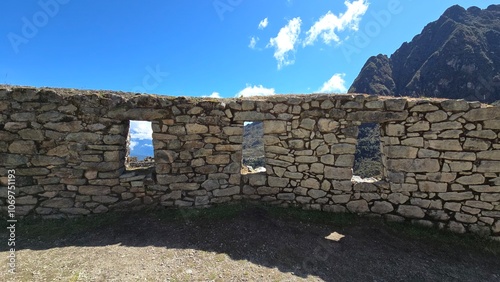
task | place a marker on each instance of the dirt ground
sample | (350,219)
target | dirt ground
(251,246)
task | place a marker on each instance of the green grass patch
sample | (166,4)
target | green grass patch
(61,228)
(313,216)
(440,237)
(58,228)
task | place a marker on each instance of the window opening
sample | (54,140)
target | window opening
(140,150)
(368,158)
(253,155)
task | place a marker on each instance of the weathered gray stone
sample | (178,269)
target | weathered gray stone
(234,190)
(410,211)
(57,203)
(327,125)
(76,211)
(84,137)
(486,197)
(445,145)
(306,159)
(436,116)
(249,116)
(338,173)
(446,125)
(218,159)
(413,142)
(73,126)
(341,149)
(496,227)
(365,187)
(491,124)
(463,156)
(450,134)
(32,134)
(274,127)
(310,183)
(403,187)
(395,130)
(267,190)
(482,114)
(196,128)
(315,194)
(341,199)
(185,186)
(94,190)
(257,179)
(489,166)
(278,182)
(474,144)
(345,161)
(395,104)
(456,196)
(433,187)
(377,116)
(486,134)
(398,198)
(419,126)
(327,159)
(359,206)
(286,196)
(382,207)
(455,105)
(441,177)
(40,160)
(471,179)
(414,165)
(424,108)
(489,155)
(104,199)
(296,144)
(485,188)
(22,147)
(401,152)
(465,218)
(15,126)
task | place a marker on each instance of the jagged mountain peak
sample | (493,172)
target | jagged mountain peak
(457,56)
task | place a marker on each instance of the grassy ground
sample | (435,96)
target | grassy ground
(243,242)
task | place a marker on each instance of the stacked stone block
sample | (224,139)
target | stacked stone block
(441,158)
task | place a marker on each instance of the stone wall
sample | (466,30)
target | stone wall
(441,158)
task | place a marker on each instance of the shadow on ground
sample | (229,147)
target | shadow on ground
(368,252)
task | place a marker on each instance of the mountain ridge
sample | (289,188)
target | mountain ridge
(456,57)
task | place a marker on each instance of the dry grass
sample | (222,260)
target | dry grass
(244,243)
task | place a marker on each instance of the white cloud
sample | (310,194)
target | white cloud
(336,84)
(213,95)
(263,23)
(285,42)
(132,144)
(329,24)
(253,42)
(256,91)
(140,130)
(147,145)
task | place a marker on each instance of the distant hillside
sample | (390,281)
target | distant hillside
(253,145)
(457,57)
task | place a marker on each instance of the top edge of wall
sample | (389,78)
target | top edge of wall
(271,98)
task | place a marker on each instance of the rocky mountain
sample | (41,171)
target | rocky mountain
(457,56)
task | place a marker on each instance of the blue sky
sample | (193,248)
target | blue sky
(198,48)
(219,48)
